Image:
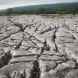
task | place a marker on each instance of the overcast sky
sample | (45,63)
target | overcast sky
(11,3)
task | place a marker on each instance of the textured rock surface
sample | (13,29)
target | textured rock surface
(39,46)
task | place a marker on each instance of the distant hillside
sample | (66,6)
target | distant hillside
(61,8)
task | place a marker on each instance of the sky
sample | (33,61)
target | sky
(4,4)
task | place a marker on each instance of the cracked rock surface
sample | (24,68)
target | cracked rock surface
(39,46)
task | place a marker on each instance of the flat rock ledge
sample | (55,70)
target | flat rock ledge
(39,46)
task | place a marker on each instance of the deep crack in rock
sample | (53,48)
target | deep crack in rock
(5,58)
(54,39)
(35,72)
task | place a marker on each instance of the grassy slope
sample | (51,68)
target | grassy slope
(44,9)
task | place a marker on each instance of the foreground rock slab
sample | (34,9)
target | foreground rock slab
(39,46)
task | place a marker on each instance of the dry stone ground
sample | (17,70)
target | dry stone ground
(39,46)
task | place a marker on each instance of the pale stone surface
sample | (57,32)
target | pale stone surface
(51,41)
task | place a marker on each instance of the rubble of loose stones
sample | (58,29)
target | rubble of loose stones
(39,46)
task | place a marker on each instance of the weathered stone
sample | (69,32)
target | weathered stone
(72,74)
(47,65)
(42,46)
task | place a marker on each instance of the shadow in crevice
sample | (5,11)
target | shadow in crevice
(35,72)
(4,59)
